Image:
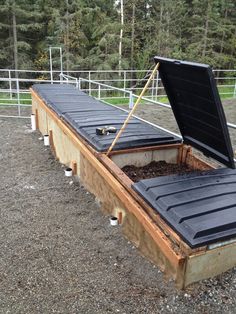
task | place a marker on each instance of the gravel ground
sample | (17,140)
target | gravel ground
(58,253)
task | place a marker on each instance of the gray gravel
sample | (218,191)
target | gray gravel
(58,253)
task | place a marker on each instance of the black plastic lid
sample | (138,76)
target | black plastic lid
(197,107)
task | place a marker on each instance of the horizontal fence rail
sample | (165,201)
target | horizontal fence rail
(109,86)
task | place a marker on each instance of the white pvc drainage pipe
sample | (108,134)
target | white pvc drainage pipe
(68,172)
(114,221)
(46,140)
(33,122)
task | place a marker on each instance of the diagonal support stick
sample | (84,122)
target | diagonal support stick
(133,109)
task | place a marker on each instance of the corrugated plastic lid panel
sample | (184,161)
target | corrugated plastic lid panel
(197,107)
(85,114)
(200,207)
(57,90)
(136,134)
(63,98)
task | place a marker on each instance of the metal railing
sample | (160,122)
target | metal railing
(126,79)
(132,96)
(14,88)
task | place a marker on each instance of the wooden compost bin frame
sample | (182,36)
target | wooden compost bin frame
(140,223)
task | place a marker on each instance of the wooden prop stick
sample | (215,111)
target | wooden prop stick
(133,109)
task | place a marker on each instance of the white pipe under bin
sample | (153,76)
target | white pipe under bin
(46,140)
(33,122)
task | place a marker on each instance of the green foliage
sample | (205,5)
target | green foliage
(89,31)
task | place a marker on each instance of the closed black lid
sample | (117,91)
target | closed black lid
(199,206)
(197,107)
(85,115)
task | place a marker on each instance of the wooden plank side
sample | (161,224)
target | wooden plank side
(65,150)
(142,158)
(196,163)
(42,121)
(209,264)
(145,149)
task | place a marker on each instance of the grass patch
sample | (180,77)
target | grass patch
(25,99)
(226,92)
(125,101)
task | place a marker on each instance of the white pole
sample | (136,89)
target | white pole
(121,33)
(61,78)
(153,86)
(99,91)
(18,96)
(131,100)
(50,60)
(10,85)
(89,83)
(157,78)
(124,81)
(61,60)
(234,89)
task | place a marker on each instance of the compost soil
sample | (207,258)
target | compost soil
(154,169)
(59,254)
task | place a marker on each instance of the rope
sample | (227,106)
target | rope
(133,109)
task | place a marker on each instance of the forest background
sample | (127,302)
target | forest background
(90,32)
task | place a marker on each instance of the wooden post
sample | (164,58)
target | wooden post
(52,143)
(74,167)
(37,119)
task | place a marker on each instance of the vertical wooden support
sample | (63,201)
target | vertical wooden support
(186,151)
(74,167)
(120,217)
(37,119)
(52,143)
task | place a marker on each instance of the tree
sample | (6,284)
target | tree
(20,19)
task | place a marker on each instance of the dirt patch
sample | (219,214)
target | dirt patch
(154,169)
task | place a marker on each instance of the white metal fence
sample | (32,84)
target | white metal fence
(110,86)
(132,80)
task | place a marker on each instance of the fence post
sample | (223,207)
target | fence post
(79,86)
(61,77)
(124,82)
(157,78)
(131,100)
(153,86)
(89,83)
(18,97)
(50,57)
(234,95)
(99,91)
(77,83)
(10,85)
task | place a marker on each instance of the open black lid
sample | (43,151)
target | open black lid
(197,107)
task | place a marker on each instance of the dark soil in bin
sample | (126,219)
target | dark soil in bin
(155,169)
